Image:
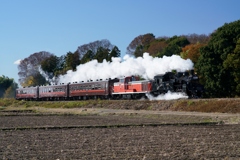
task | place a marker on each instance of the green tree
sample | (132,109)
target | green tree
(87,57)
(115,52)
(5,83)
(102,53)
(219,81)
(50,65)
(93,46)
(139,51)
(233,63)
(72,60)
(174,47)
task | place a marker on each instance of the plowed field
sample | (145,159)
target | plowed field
(117,136)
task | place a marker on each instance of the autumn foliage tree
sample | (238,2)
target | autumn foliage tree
(35,79)
(191,51)
(156,47)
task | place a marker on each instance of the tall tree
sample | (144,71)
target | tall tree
(115,52)
(140,44)
(219,80)
(174,46)
(50,65)
(72,60)
(156,47)
(87,57)
(94,46)
(30,65)
(102,53)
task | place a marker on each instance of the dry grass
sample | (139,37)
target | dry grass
(209,105)
(226,105)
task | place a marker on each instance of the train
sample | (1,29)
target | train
(129,87)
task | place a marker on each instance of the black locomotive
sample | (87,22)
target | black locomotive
(184,82)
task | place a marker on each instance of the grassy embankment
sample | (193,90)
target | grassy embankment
(199,105)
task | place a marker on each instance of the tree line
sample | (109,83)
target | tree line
(216,58)
(41,68)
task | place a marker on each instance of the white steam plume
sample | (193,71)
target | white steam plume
(145,66)
(168,96)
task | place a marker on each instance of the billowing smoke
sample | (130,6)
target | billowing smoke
(145,66)
(168,96)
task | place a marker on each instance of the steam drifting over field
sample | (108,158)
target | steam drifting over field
(145,66)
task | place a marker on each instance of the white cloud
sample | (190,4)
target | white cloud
(17,62)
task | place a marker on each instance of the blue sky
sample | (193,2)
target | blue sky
(59,26)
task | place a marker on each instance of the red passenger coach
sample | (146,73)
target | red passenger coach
(55,92)
(91,90)
(131,88)
(27,93)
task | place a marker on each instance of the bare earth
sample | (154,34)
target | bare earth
(100,133)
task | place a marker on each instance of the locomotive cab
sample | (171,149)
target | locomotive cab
(195,89)
(163,83)
(125,84)
(131,87)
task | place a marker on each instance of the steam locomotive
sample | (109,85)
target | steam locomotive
(130,87)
